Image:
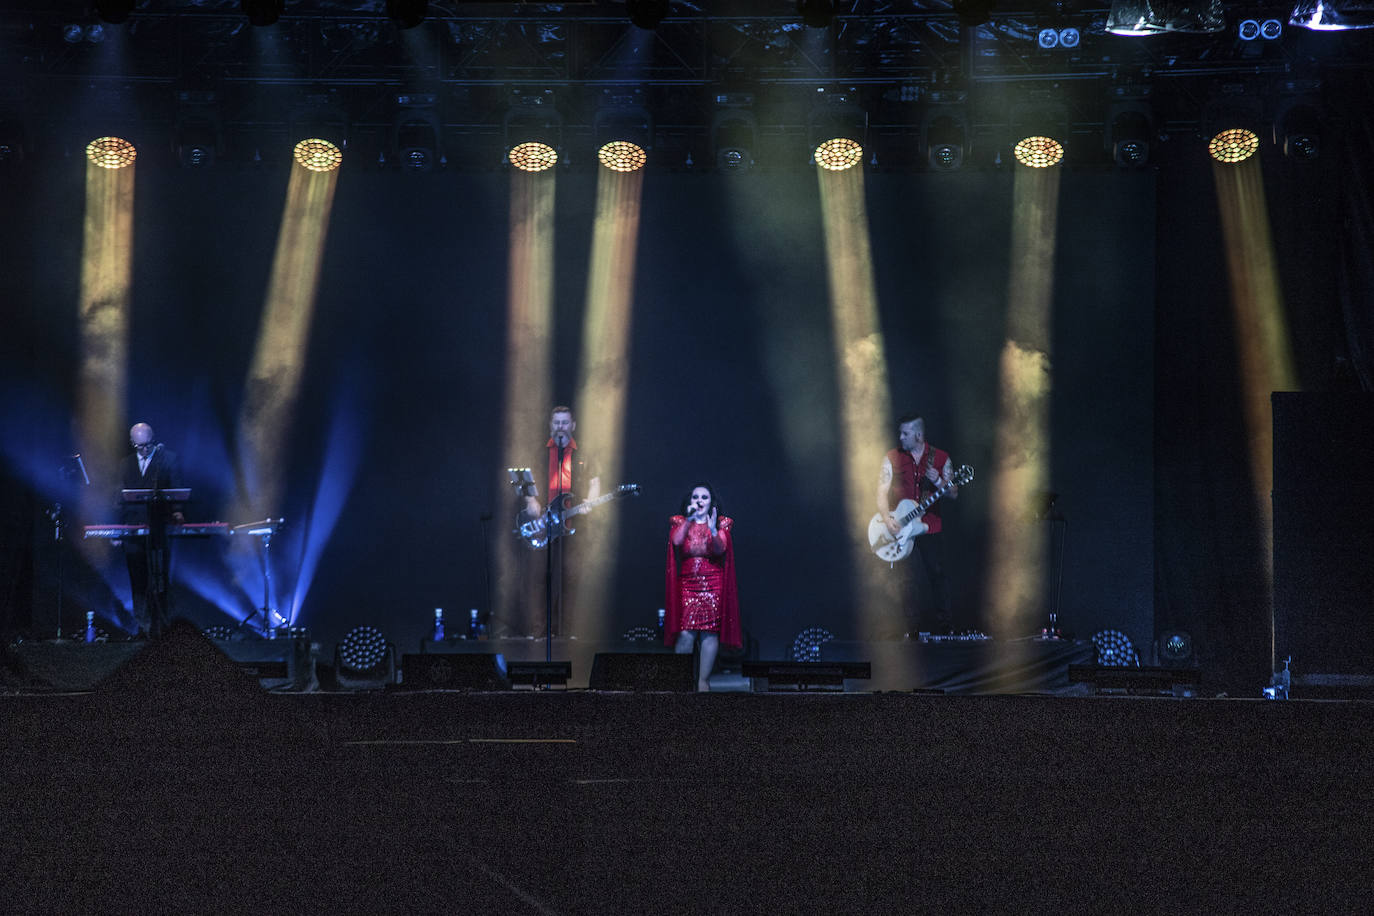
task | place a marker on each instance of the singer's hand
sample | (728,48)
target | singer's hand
(711,519)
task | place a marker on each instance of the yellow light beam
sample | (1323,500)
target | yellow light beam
(529,373)
(1017,539)
(1263,345)
(274,377)
(866,421)
(1262,341)
(103,314)
(604,374)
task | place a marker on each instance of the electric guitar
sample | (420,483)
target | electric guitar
(893,548)
(534,531)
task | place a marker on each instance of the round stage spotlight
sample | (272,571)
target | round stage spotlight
(1069,38)
(807,646)
(1249,29)
(946,157)
(1115,650)
(318,155)
(1235,144)
(733,159)
(1048,38)
(838,154)
(1271,29)
(1038,152)
(363,649)
(532,156)
(1302,147)
(111,152)
(622,156)
(1132,152)
(1175,649)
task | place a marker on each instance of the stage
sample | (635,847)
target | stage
(181,784)
(298,664)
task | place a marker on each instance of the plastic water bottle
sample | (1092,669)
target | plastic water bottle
(438,624)
(474,628)
(90,626)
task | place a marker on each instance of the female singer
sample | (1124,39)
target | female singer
(702,602)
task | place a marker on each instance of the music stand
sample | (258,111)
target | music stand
(164,495)
(263,529)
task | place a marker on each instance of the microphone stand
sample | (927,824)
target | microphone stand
(55,515)
(483,518)
(157,548)
(267,609)
(555,543)
(1058,524)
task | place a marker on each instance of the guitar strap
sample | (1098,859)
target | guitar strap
(921,469)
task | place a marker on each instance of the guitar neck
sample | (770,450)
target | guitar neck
(589,504)
(926,503)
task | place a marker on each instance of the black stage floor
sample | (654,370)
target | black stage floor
(180,785)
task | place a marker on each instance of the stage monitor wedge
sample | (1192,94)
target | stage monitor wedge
(806,675)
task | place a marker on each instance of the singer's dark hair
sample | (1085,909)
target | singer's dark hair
(715,501)
(906,418)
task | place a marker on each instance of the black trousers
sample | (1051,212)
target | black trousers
(935,616)
(149,579)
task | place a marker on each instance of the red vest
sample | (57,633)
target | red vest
(909,480)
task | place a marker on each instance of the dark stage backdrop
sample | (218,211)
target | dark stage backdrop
(394,457)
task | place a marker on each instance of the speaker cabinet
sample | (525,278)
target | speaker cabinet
(453,671)
(643,671)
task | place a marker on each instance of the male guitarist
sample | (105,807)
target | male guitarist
(911,471)
(569,469)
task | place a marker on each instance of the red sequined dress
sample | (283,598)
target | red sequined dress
(700,583)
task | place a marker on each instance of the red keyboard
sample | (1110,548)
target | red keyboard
(188,530)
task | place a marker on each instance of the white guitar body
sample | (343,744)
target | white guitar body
(909,513)
(891,547)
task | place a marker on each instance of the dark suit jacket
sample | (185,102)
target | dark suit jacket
(164,473)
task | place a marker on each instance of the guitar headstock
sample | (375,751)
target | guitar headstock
(627,489)
(963,475)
